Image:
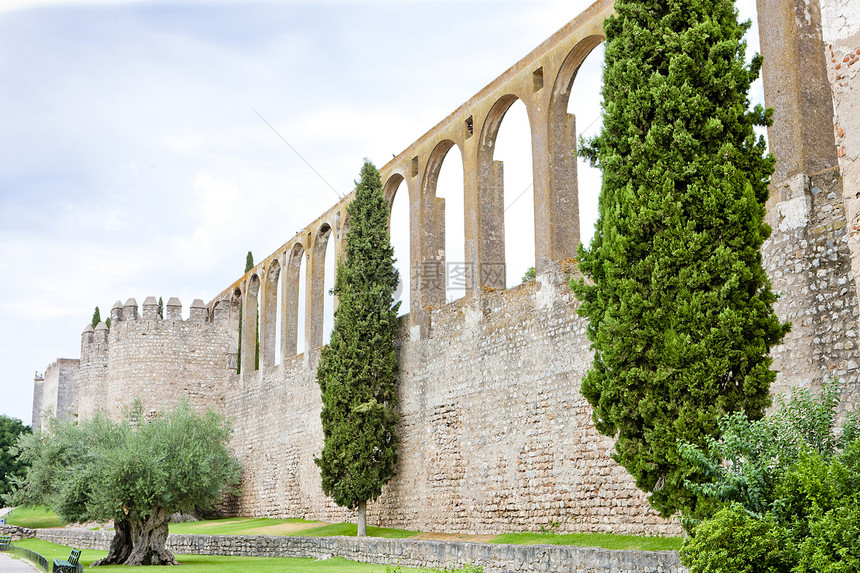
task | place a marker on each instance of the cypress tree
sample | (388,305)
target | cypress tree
(680,310)
(159,310)
(97,317)
(249,262)
(357,371)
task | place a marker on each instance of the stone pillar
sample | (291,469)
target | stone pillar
(38,387)
(555,187)
(150,308)
(490,214)
(173,309)
(796,86)
(198,311)
(248,328)
(129,311)
(116,312)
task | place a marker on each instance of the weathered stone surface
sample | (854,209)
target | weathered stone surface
(494,433)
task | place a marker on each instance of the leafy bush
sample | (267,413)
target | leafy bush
(785,491)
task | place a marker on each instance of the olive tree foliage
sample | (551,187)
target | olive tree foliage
(10,462)
(783,491)
(136,472)
(679,306)
(357,371)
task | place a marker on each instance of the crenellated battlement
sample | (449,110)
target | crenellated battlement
(198,312)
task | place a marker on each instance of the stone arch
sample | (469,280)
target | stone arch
(250,315)
(561,141)
(269,315)
(400,231)
(441,232)
(290,305)
(315,306)
(491,192)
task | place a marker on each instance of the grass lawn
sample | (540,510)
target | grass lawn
(242,526)
(42,518)
(351,529)
(34,518)
(217,563)
(605,540)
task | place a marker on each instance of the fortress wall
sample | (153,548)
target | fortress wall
(841,36)
(495,435)
(160,361)
(809,262)
(93,372)
(59,390)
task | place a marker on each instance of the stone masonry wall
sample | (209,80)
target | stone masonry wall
(159,360)
(494,434)
(841,35)
(59,390)
(407,552)
(809,263)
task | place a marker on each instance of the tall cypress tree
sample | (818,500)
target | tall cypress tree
(97,317)
(680,309)
(357,371)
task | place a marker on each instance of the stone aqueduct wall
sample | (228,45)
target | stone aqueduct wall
(494,433)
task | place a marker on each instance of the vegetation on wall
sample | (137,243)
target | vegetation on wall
(357,370)
(680,309)
(136,472)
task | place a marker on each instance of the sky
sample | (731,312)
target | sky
(141,148)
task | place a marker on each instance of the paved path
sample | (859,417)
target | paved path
(8,564)
(5,510)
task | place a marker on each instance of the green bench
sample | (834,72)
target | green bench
(67,565)
(5,540)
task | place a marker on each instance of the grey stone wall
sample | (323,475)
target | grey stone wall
(57,392)
(159,360)
(494,434)
(809,262)
(410,553)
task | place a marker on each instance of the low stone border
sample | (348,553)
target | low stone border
(16,531)
(495,558)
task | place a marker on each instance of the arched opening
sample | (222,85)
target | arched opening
(514,150)
(234,318)
(293,303)
(318,306)
(444,180)
(250,326)
(399,226)
(269,318)
(328,283)
(584,107)
(575,110)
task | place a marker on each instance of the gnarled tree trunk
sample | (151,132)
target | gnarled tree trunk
(150,541)
(120,546)
(140,542)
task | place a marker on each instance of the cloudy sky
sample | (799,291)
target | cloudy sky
(133,161)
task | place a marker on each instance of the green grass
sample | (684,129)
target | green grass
(40,517)
(604,540)
(231,526)
(217,563)
(34,518)
(351,529)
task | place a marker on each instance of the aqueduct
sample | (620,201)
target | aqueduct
(494,433)
(542,81)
